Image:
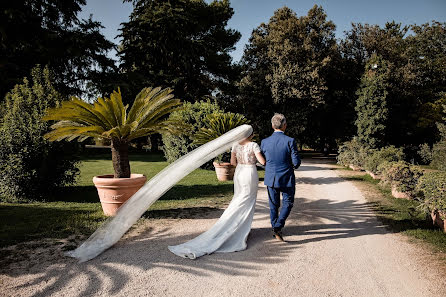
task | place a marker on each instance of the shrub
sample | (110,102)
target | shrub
(352,152)
(432,187)
(385,154)
(30,166)
(401,175)
(425,153)
(439,148)
(439,155)
(193,114)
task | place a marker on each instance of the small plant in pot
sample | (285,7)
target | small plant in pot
(216,125)
(108,118)
(402,177)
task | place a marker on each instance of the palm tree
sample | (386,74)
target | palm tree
(108,118)
(216,125)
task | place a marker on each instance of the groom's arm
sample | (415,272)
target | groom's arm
(295,155)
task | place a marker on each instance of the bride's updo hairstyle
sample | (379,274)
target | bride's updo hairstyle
(250,136)
(278,121)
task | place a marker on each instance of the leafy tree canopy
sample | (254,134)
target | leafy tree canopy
(182,44)
(48,32)
(371,105)
(286,65)
(416,57)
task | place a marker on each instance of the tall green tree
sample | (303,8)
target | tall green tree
(182,44)
(439,148)
(286,65)
(416,81)
(425,78)
(49,32)
(371,105)
(30,166)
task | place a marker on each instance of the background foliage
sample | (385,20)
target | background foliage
(50,33)
(30,166)
(193,114)
(183,44)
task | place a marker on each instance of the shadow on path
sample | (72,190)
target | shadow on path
(313,221)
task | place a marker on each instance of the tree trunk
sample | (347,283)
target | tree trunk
(120,157)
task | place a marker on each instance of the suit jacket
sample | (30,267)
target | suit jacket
(282,158)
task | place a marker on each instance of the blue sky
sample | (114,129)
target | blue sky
(248,14)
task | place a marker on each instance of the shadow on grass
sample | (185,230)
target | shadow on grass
(184,213)
(34,221)
(182,192)
(149,157)
(89,194)
(79,194)
(402,218)
(77,210)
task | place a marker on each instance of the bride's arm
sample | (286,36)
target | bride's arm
(260,158)
(233,159)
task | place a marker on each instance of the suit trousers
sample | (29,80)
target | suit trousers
(278,219)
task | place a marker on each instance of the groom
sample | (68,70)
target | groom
(282,158)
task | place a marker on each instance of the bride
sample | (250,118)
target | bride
(230,232)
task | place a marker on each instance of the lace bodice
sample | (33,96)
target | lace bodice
(246,153)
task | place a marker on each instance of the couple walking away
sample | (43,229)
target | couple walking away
(229,234)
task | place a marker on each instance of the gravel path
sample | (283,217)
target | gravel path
(336,247)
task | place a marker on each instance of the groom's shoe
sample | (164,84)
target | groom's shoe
(278,235)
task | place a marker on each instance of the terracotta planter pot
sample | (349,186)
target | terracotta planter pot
(374,176)
(399,194)
(224,171)
(438,221)
(113,192)
(354,167)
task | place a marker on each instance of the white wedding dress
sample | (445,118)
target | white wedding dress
(230,232)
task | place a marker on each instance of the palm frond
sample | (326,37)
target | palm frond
(218,124)
(108,117)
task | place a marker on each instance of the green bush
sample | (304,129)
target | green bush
(439,155)
(385,154)
(352,153)
(194,114)
(401,175)
(432,187)
(30,166)
(439,148)
(425,153)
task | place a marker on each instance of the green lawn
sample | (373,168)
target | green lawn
(77,210)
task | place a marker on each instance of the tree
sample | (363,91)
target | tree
(30,166)
(416,79)
(286,65)
(182,44)
(371,106)
(49,33)
(425,78)
(439,148)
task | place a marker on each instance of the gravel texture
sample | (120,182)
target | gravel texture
(336,247)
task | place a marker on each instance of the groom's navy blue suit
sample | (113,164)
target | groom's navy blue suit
(282,158)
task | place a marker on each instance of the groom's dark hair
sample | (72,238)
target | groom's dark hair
(278,120)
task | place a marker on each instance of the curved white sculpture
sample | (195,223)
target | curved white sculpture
(113,229)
